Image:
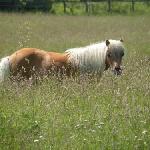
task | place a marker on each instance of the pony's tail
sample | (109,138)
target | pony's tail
(4,68)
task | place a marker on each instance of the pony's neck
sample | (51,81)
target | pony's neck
(91,57)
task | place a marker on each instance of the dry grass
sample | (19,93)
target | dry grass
(81,113)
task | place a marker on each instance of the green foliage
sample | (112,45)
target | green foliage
(44,5)
(78,7)
(77,113)
(101,8)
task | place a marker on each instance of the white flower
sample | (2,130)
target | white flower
(143,122)
(77,125)
(99,127)
(36,122)
(36,141)
(93,131)
(101,123)
(144,132)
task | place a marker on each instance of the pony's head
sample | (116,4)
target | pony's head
(114,55)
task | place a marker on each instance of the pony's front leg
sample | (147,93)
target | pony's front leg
(98,76)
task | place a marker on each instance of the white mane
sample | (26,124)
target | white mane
(90,58)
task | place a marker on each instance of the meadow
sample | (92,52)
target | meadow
(113,113)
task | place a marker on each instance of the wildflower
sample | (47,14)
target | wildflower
(72,137)
(101,123)
(144,132)
(143,122)
(36,141)
(85,120)
(139,139)
(77,125)
(40,136)
(118,92)
(93,131)
(99,127)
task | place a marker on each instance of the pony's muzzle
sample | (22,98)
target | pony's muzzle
(117,71)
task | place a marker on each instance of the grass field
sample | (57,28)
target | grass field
(77,114)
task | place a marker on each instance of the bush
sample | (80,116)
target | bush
(44,5)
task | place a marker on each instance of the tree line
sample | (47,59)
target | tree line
(46,5)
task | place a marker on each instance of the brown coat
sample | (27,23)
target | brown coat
(27,62)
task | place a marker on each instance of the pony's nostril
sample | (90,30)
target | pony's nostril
(117,68)
(117,71)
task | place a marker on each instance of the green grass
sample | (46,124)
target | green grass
(81,113)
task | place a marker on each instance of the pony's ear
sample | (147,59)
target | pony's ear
(121,40)
(107,42)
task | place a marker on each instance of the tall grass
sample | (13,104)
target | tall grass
(77,114)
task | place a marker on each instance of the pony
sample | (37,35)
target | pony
(28,63)
(98,57)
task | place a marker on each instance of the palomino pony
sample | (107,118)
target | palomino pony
(31,62)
